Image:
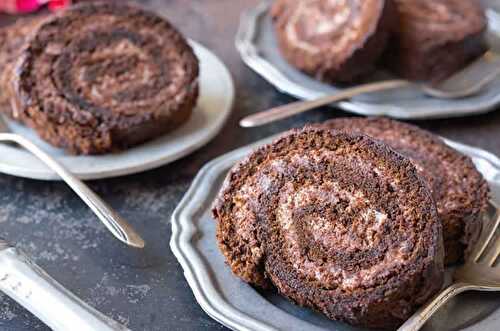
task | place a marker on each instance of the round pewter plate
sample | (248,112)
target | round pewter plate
(213,109)
(257,45)
(238,306)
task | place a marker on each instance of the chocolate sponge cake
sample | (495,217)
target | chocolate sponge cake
(460,191)
(435,38)
(337,222)
(334,41)
(12,40)
(103,76)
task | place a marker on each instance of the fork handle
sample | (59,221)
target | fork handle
(120,228)
(35,290)
(281,112)
(418,319)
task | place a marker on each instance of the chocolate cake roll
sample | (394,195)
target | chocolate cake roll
(12,40)
(436,37)
(334,41)
(105,76)
(460,191)
(337,222)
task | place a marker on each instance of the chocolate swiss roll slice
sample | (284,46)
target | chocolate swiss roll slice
(334,41)
(12,40)
(105,76)
(459,190)
(337,222)
(436,37)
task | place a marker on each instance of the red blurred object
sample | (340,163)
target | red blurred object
(28,6)
(59,4)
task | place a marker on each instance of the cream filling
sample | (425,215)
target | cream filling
(331,193)
(324,24)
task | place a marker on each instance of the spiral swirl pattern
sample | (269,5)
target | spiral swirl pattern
(460,191)
(333,220)
(103,75)
(327,38)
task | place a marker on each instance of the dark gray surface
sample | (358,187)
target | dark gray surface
(147,290)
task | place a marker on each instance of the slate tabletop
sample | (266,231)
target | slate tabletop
(146,290)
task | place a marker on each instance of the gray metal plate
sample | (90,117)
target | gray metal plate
(240,307)
(257,46)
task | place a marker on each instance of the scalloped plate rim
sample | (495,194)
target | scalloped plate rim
(196,271)
(250,55)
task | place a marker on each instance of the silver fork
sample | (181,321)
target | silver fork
(120,228)
(479,273)
(469,81)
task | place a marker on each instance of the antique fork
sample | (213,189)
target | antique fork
(113,222)
(481,272)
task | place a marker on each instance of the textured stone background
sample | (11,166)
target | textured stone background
(147,291)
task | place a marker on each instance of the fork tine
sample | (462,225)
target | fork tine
(482,244)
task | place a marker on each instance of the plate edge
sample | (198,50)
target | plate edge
(248,51)
(182,228)
(51,176)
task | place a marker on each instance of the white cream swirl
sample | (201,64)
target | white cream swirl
(336,21)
